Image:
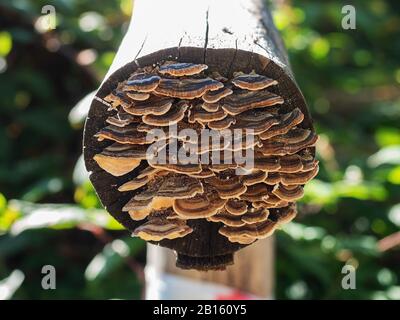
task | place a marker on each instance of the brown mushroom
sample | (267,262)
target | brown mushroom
(142,82)
(286,122)
(227,188)
(299,177)
(212,97)
(257,230)
(255,215)
(236,207)
(227,219)
(157,229)
(285,214)
(125,135)
(288,193)
(246,100)
(222,124)
(141,180)
(256,192)
(255,122)
(272,178)
(289,143)
(197,113)
(122,119)
(138,96)
(210,107)
(117,166)
(253,81)
(254,177)
(174,115)
(242,239)
(266,163)
(201,206)
(178,69)
(154,106)
(187,88)
(190,168)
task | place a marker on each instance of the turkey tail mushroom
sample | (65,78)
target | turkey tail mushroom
(204,187)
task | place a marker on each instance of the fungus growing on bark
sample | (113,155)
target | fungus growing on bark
(204,189)
(253,82)
(187,88)
(157,229)
(181,69)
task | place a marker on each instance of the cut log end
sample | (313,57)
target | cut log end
(204,263)
(212,206)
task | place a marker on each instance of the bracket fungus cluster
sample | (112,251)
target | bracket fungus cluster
(178,204)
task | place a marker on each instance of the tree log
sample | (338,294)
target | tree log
(228,36)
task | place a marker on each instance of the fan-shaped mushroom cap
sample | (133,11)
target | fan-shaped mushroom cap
(134,184)
(216,95)
(211,107)
(243,239)
(285,214)
(148,171)
(228,188)
(255,121)
(308,161)
(254,177)
(222,124)
(157,229)
(256,192)
(204,173)
(266,163)
(142,82)
(257,230)
(289,143)
(209,145)
(181,69)
(141,180)
(125,135)
(197,113)
(291,163)
(299,177)
(242,143)
(287,121)
(201,206)
(154,105)
(118,98)
(174,115)
(227,219)
(288,193)
(242,101)
(117,166)
(253,82)
(255,215)
(138,96)
(172,186)
(187,88)
(139,209)
(272,178)
(122,119)
(236,207)
(126,151)
(190,168)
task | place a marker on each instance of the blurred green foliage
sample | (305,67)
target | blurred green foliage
(49,213)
